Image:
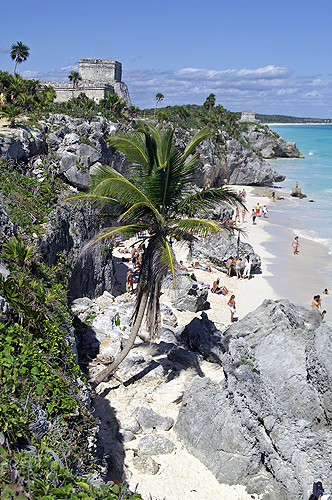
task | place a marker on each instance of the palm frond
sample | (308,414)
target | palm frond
(132,145)
(208,199)
(129,230)
(196,226)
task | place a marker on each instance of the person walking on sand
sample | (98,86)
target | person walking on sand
(253,216)
(243,215)
(296,245)
(264,210)
(258,209)
(273,196)
(237,215)
(232,307)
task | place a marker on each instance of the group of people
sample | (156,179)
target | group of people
(242,269)
(257,211)
(136,260)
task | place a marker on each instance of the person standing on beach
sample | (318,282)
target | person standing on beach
(273,196)
(253,216)
(296,245)
(232,307)
(229,266)
(247,267)
(258,210)
(243,215)
(238,266)
(264,210)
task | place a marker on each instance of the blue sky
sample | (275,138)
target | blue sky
(270,56)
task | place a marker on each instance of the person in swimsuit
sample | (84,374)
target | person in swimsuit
(316,302)
(296,245)
(229,266)
(238,266)
(232,307)
(253,216)
(219,289)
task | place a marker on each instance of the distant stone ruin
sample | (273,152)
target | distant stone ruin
(248,116)
(98,77)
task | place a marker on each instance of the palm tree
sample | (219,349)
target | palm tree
(159,98)
(210,102)
(158,198)
(74,77)
(19,53)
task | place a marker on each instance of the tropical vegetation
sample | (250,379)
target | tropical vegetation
(158,199)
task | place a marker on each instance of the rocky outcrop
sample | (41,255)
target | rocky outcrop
(269,144)
(190,295)
(267,425)
(68,229)
(21,143)
(217,248)
(234,162)
(244,166)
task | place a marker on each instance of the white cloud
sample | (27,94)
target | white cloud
(270,90)
(57,75)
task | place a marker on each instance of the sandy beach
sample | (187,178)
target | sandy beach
(280,277)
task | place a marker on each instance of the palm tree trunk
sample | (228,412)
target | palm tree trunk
(97,379)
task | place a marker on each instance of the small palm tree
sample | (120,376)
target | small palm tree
(210,102)
(159,98)
(11,113)
(74,77)
(19,53)
(159,200)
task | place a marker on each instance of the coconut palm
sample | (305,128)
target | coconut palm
(74,77)
(159,98)
(158,198)
(19,53)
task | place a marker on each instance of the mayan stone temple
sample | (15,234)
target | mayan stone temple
(98,76)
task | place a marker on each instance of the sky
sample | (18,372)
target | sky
(269,56)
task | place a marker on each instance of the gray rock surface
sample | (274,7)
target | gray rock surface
(269,144)
(69,227)
(146,464)
(7,228)
(267,424)
(155,444)
(217,248)
(149,420)
(244,166)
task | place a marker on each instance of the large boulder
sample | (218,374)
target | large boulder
(189,294)
(270,144)
(267,425)
(244,166)
(217,248)
(21,143)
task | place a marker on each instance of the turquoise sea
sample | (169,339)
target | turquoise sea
(311,220)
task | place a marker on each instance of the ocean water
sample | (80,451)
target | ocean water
(311,220)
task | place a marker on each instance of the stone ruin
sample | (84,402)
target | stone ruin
(98,77)
(248,116)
